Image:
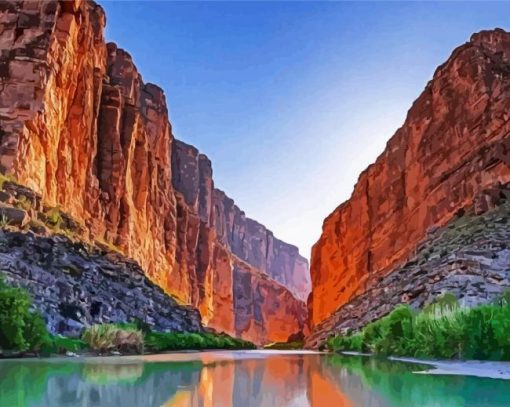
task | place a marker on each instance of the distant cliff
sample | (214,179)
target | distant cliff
(451,158)
(80,127)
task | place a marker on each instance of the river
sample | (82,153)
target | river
(244,379)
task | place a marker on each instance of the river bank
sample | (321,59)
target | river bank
(475,368)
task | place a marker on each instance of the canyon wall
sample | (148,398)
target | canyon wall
(80,127)
(243,278)
(451,157)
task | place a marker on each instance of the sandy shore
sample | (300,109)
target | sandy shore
(492,370)
(477,368)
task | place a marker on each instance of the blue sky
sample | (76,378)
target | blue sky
(292,100)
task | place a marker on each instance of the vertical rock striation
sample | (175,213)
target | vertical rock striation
(80,127)
(451,156)
(243,278)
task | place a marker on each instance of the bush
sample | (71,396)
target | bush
(20,328)
(444,302)
(108,337)
(61,344)
(167,341)
(442,330)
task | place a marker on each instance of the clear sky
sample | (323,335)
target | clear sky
(292,100)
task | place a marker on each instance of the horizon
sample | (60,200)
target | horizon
(309,90)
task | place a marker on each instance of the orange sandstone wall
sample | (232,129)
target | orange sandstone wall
(79,126)
(243,279)
(452,153)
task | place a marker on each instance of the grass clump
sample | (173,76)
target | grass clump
(441,330)
(110,337)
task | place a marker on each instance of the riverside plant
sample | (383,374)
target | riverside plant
(444,330)
(23,329)
(109,337)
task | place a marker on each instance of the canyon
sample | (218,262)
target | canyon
(92,174)
(431,215)
(82,132)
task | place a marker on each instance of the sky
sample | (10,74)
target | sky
(292,100)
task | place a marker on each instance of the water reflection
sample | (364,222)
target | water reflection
(242,379)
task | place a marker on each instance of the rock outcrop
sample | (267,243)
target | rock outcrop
(80,128)
(74,287)
(450,157)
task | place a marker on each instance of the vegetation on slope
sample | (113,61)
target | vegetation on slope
(23,330)
(442,330)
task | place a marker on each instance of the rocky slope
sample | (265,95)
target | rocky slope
(450,157)
(74,286)
(469,258)
(80,128)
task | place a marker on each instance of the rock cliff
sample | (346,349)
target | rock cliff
(80,128)
(242,278)
(451,157)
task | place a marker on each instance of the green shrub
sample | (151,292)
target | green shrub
(36,333)
(168,341)
(61,344)
(442,330)
(353,343)
(439,333)
(20,328)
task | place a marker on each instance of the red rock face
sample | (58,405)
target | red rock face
(452,153)
(243,279)
(79,126)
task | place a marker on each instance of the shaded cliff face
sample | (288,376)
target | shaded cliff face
(80,127)
(452,155)
(244,280)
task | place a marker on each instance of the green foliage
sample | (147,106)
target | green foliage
(20,328)
(442,330)
(164,341)
(352,343)
(60,344)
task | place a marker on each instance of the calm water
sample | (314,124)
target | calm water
(213,379)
